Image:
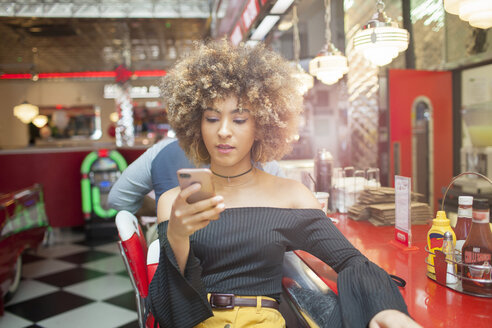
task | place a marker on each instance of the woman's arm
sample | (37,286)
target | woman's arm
(366,292)
(393,319)
(135,182)
(185,219)
(177,296)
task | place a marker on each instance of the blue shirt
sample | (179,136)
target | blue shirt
(164,166)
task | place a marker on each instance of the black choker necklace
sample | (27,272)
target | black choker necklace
(233,176)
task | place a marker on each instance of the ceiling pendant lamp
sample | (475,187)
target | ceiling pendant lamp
(452,6)
(381,40)
(40,121)
(26,112)
(306,81)
(330,64)
(478,13)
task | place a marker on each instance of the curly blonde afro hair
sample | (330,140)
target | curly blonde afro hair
(259,78)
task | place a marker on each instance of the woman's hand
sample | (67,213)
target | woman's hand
(187,218)
(392,319)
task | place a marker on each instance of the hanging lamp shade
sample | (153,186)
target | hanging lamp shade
(306,81)
(40,121)
(26,112)
(381,40)
(478,13)
(329,65)
(114,117)
(452,6)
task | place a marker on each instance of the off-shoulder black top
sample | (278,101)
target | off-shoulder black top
(242,253)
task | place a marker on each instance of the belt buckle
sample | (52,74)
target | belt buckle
(215,298)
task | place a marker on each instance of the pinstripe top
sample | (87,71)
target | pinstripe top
(242,253)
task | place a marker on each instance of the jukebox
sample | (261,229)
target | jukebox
(100,170)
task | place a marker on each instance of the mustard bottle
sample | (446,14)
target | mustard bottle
(435,236)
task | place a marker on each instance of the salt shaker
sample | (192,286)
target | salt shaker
(448,249)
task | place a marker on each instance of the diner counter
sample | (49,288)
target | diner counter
(430,304)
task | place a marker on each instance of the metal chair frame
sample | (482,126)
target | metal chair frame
(139,300)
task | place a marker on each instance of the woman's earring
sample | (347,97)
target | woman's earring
(258,152)
(199,155)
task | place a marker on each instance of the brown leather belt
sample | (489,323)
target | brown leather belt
(229,301)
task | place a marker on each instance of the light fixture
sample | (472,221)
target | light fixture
(26,112)
(265,26)
(306,81)
(114,117)
(284,25)
(452,6)
(281,6)
(330,64)
(40,121)
(478,13)
(252,43)
(381,40)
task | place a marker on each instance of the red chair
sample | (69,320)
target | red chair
(133,248)
(152,259)
(152,262)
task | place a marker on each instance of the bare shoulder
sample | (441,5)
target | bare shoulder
(165,204)
(296,194)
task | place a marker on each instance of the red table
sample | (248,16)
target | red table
(429,303)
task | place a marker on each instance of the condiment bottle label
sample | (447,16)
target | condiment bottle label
(476,256)
(478,266)
(465,212)
(436,240)
(481,216)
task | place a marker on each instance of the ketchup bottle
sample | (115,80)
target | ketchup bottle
(477,251)
(463,224)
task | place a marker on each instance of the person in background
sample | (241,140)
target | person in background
(221,258)
(130,190)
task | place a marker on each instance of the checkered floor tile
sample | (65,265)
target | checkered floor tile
(74,282)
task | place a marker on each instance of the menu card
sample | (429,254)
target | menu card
(403,223)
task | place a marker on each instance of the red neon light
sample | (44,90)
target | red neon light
(15,76)
(76,75)
(150,73)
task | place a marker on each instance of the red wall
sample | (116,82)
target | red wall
(404,87)
(58,173)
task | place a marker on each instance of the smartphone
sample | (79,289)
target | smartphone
(187,177)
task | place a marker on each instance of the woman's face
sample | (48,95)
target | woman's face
(228,134)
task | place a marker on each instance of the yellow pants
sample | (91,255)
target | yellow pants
(245,316)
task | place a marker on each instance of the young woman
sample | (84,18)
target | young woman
(221,258)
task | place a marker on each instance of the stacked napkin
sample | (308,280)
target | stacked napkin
(378,206)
